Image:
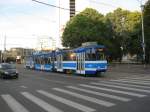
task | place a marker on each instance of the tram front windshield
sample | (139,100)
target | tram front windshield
(95,54)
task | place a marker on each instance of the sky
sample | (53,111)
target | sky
(22,22)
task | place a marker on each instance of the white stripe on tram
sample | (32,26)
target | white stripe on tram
(122,87)
(14,104)
(87,98)
(47,107)
(67,102)
(113,90)
(101,94)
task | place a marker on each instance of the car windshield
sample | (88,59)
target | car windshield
(8,66)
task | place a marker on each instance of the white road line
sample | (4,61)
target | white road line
(14,104)
(23,87)
(142,78)
(134,82)
(130,78)
(87,98)
(47,107)
(113,90)
(121,87)
(67,102)
(101,94)
(123,84)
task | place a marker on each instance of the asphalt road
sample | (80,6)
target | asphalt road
(124,88)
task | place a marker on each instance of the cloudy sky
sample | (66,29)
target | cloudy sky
(23,21)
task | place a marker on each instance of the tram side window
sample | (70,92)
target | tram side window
(42,60)
(69,56)
(72,56)
(37,60)
(45,60)
(65,57)
(49,60)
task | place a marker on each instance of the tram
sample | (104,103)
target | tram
(86,60)
(29,62)
(44,61)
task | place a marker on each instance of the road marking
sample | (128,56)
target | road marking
(14,104)
(123,84)
(67,102)
(143,78)
(113,90)
(47,107)
(7,81)
(130,78)
(121,87)
(101,94)
(23,87)
(87,98)
(134,82)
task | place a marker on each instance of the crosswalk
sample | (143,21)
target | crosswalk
(105,94)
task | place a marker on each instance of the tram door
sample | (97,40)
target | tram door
(81,63)
(59,63)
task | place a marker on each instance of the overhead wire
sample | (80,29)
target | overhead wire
(104,4)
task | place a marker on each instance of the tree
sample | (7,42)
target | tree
(147,30)
(84,27)
(125,28)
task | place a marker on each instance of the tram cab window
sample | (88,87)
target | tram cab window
(94,55)
(90,55)
(100,55)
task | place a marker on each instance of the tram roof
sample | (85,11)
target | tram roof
(63,51)
(84,48)
(43,54)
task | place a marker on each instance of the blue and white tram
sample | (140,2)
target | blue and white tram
(29,62)
(44,61)
(90,59)
(83,60)
(87,60)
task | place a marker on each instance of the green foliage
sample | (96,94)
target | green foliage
(84,27)
(125,25)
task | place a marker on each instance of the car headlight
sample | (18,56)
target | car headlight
(16,71)
(6,72)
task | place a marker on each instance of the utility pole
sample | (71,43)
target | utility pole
(59,38)
(143,36)
(4,54)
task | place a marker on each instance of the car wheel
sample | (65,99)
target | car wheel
(3,77)
(17,76)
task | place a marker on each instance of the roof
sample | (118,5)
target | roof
(84,48)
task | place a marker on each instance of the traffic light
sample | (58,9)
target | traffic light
(72,8)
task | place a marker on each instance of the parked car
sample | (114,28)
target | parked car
(8,71)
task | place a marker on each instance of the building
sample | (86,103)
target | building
(46,43)
(17,53)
